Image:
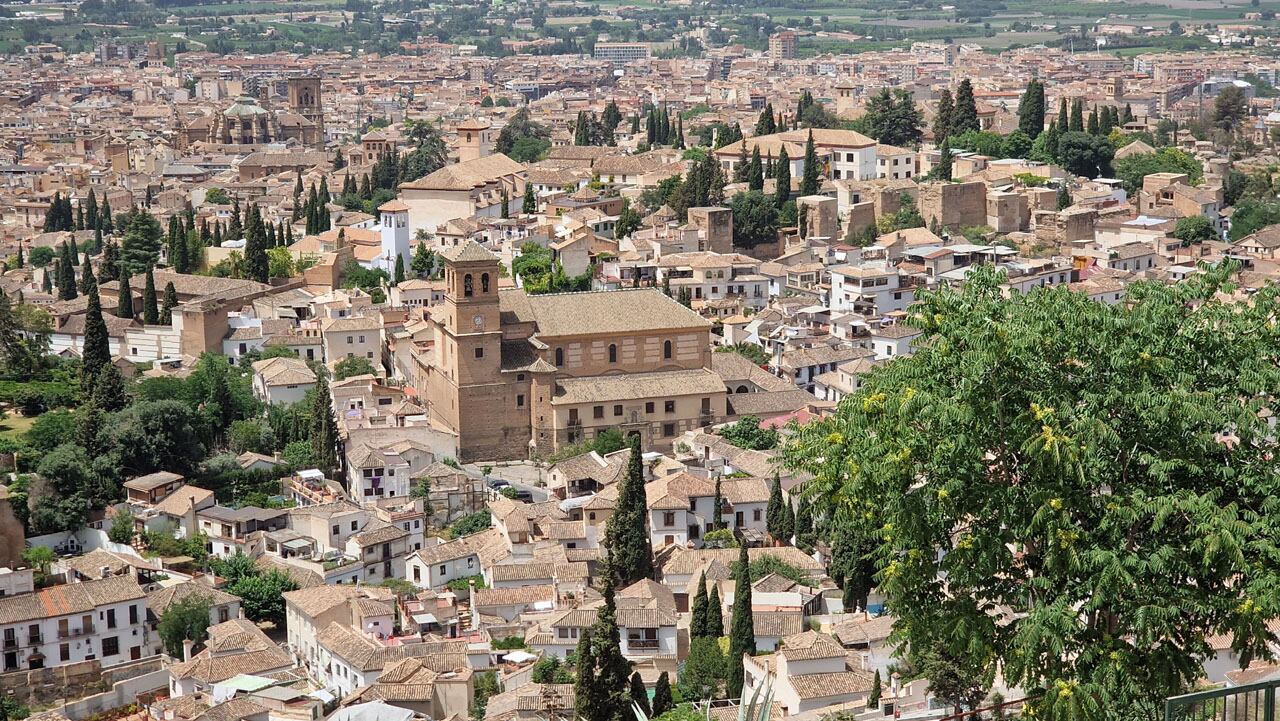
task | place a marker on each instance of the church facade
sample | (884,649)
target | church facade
(246,122)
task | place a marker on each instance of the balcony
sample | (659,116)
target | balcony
(35,640)
(642,644)
(10,644)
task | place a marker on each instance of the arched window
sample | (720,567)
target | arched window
(484,283)
(666,349)
(468,287)
(613,353)
(742,389)
(559,356)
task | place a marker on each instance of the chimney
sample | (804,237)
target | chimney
(240,612)
(187,646)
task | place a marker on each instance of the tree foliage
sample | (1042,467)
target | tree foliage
(627,531)
(186,619)
(1126,487)
(1132,169)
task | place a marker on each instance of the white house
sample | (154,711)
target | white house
(435,566)
(103,620)
(281,381)
(810,671)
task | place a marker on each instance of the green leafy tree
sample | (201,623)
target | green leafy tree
(742,631)
(353,366)
(1194,229)
(424,260)
(186,619)
(262,596)
(704,670)
(1116,533)
(804,530)
(1133,168)
(470,523)
(1230,108)
(746,432)
(140,248)
(629,221)
(627,530)
(755,219)
(892,118)
(121,528)
(1084,154)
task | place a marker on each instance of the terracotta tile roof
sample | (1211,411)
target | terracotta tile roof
(69,599)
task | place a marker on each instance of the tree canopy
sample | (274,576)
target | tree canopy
(1126,487)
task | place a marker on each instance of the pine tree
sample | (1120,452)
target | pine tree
(640,695)
(150,308)
(783,179)
(965,115)
(698,621)
(755,171)
(810,181)
(775,521)
(324,429)
(170,302)
(627,530)
(96,351)
(662,700)
(942,118)
(530,205)
(873,698)
(742,631)
(124,309)
(715,614)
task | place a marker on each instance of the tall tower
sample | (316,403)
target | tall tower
(473,139)
(304,99)
(468,390)
(394,227)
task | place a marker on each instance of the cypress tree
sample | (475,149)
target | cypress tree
(530,205)
(717,513)
(942,118)
(942,171)
(399,276)
(150,308)
(640,695)
(324,429)
(627,531)
(810,180)
(1031,109)
(873,698)
(804,525)
(109,394)
(715,614)
(92,221)
(107,222)
(662,700)
(783,175)
(66,275)
(612,668)
(180,256)
(21,260)
(1062,115)
(96,352)
(586,689)
(775,521)
(1093,127)
(46,283)
(742,631)
(698,621)
(1127,117)
(755,171)
(788,522)
(170,302)
(257,266)
(1077,117)
(742,167)
(965,115)
(124,309)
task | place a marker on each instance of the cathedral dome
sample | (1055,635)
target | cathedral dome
(245,105)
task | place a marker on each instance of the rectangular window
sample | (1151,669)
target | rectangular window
(353,525)
(64,652)
(597,412)
(648,407)
(133,615)
(110,646)
(668,430)
(519,401)
(669,519)
(669,406)
(617,409)
(336,530)
(755,515)
(479,352)
(111,619)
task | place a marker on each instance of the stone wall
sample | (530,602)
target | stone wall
(954,205)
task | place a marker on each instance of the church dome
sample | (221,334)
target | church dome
(245,105)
